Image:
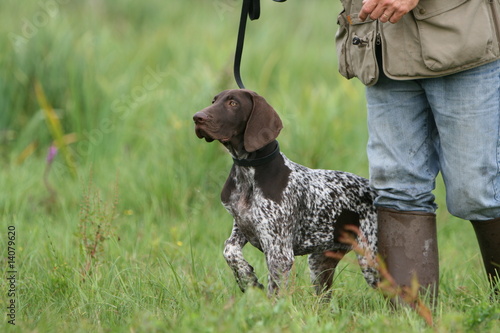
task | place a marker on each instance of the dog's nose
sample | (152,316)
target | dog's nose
(199,117)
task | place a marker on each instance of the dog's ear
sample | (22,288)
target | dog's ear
(263,126)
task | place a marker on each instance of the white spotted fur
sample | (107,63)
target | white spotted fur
(302,223)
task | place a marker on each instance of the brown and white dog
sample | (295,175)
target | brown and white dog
(282,208)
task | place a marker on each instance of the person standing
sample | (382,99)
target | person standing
(432,72)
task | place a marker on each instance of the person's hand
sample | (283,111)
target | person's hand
(386,10)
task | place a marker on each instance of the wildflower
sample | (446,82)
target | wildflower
(51,154)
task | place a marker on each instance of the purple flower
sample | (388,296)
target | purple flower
(51,154)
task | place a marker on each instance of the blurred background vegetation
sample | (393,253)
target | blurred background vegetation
(124,79)
(113,85)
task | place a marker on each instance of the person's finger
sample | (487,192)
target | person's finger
(378,11)
(396,16)
(386,17)
(367,9)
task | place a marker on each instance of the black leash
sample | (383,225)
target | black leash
(251,9)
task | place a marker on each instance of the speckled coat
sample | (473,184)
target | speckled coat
(283,208)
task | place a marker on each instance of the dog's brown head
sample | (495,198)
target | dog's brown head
(238,117)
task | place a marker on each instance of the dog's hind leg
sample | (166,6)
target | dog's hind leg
(367,249)
(322,269)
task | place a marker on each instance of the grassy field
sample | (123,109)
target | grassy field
(122,231)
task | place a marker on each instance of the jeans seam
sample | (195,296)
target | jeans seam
(496,181)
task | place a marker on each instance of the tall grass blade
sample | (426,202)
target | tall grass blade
(55,128)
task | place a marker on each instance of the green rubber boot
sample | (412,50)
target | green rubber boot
(488,237)
(407,243)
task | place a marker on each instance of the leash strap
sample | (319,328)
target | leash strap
(251,9)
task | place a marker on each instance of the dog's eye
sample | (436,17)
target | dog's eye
(213,101)
(232,103)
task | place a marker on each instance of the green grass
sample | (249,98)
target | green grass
(160,267)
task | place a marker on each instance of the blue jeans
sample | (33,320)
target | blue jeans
(451,125)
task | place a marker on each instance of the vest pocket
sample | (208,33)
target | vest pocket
(454,33)
(356,42)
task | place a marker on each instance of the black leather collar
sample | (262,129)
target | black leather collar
(258,161)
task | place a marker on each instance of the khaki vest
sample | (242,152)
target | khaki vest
(438,37)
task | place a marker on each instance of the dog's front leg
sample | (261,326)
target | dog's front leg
(279,258)
(233,253)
